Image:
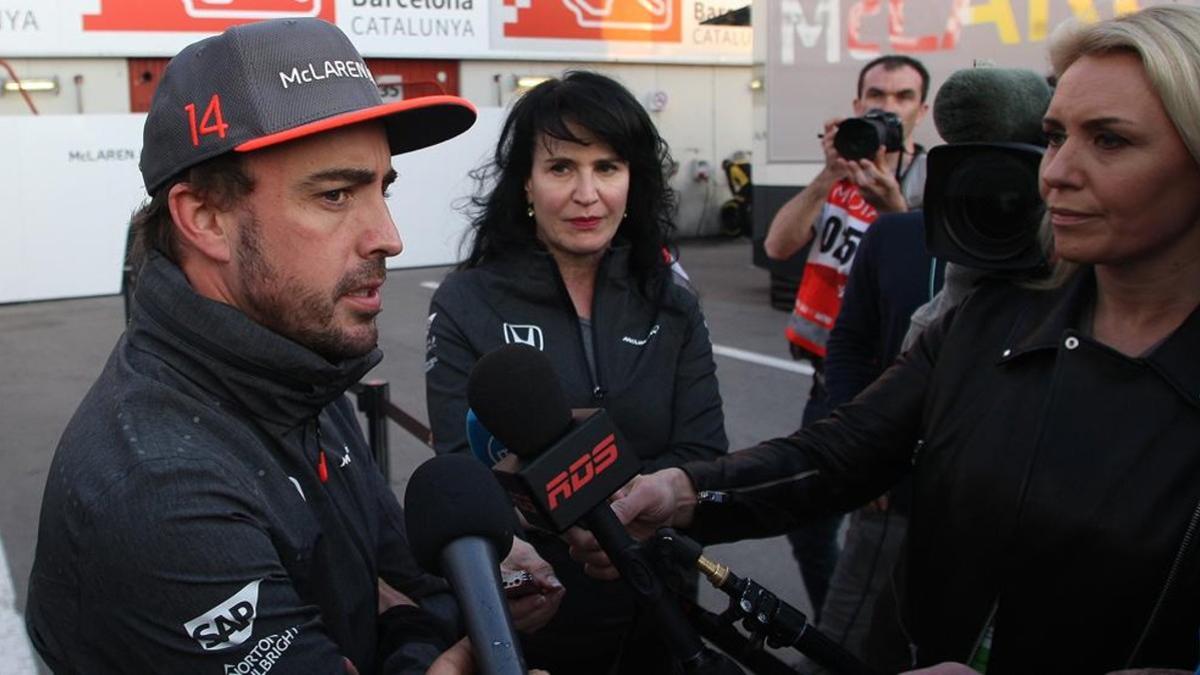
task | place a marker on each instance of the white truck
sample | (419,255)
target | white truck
(807,55)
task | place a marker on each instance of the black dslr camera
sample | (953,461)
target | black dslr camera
(860,137)
(982,206)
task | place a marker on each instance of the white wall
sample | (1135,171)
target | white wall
(103,89)
(68,184)
(707,117)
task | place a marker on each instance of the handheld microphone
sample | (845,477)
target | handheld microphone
(486,447)
(763,614)
(459,526)
(562,465)
(562,469)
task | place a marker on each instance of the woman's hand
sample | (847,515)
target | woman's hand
(645,504)
(533,611)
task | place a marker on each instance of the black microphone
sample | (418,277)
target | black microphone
(459,526)
(764,615)
(561,465)
(562,468)
(992,105)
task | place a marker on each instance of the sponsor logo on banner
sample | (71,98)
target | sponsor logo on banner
(19,21)
(436,19)
(719,36)
(103,155)
(230,623)
(524,335)
(202,16)
(636,20)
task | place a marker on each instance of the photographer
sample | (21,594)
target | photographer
(857,183)
(894,273)
(1050,429)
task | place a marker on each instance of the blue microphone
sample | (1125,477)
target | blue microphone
(486,447)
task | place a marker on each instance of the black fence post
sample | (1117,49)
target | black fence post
(372,400)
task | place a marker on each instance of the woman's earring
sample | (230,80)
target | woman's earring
(625,216)
(529,211)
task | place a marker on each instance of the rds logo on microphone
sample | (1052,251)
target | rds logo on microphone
(582,471)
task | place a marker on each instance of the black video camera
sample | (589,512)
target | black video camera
(982,206)
(860,137)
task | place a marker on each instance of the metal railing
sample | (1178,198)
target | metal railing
(374,401)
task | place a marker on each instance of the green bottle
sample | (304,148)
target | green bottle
(983,649)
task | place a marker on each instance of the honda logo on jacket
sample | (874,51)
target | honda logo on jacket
(516,334)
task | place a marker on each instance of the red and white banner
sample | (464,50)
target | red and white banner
(203,16)
(596,30)
(667,30)
(625,20)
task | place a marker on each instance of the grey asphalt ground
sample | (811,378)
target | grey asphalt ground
(50,352)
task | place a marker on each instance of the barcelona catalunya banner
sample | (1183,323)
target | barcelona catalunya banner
(595,30)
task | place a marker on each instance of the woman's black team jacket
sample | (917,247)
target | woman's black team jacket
(654,374)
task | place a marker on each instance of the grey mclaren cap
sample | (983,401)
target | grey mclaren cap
(265,83)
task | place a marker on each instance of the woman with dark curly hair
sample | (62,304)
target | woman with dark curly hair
(569,255)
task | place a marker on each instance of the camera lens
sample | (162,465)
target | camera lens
(858,138)
(992,200)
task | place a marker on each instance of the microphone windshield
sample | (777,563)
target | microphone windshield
(450,497)
(517,396)
(992,105)
(484,444)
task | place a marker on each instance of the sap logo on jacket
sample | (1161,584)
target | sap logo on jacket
(230,623)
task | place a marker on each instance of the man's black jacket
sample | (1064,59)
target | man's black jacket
(185,528)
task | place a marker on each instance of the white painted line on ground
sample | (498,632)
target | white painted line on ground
(431,285)
(14,645)
(801,367)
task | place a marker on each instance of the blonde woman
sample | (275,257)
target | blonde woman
(1053,434)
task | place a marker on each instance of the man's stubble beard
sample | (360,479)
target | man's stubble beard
(301,314)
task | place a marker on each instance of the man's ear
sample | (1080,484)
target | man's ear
(924,111)
(201,226)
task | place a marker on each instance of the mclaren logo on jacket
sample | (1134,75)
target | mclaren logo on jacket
(523,335)
(230,623)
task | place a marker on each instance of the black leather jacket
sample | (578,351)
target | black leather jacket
(1057,484)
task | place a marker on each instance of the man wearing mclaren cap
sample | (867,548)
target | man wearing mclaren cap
(212,506)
